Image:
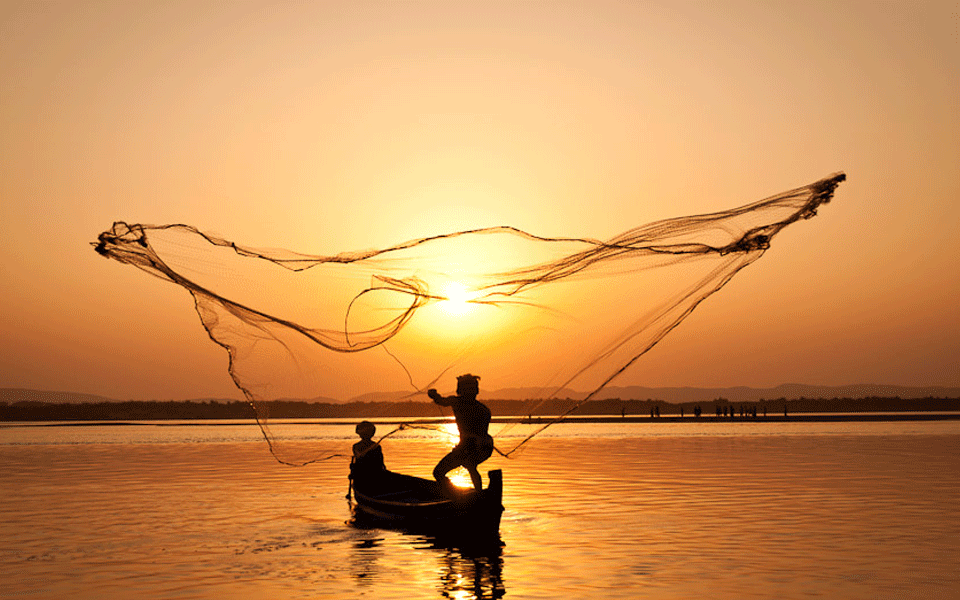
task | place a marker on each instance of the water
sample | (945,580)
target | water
(672,510)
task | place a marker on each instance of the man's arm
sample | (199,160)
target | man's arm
(438,399)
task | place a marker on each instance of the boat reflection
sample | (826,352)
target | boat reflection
(364,559)
(472,572)
(470,567)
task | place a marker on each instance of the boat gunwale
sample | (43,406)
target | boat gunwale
(447,501)
(472,508)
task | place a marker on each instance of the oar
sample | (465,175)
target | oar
(350,481)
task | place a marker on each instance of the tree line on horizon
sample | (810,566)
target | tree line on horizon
(135,410)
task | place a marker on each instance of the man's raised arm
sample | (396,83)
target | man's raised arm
(438,399)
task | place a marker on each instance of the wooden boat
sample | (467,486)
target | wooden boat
(422,504)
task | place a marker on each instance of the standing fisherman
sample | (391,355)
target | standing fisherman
(473,421)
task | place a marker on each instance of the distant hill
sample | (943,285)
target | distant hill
(383,397)
(13,395)
(673,395)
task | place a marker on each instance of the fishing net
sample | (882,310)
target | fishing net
(538,318)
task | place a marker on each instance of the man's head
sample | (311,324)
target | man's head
(366,429)
(468,386)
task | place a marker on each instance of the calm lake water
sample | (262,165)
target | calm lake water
(617,510)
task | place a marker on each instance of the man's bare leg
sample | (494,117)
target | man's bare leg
(475,477)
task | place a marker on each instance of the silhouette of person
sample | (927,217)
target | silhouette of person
(367,455)
(473,422)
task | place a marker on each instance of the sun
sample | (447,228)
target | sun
(458,300)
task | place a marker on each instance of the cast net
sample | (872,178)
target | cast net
(538,318)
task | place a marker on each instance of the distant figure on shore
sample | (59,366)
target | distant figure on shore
(367,455)
(473,422)
(657,410)
(681,412)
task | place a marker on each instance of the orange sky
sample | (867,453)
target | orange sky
(328,127)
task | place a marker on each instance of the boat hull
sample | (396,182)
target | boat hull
(414,503)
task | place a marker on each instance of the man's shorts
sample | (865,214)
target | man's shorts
(473,450)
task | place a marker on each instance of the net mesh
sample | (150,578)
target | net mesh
(537,317)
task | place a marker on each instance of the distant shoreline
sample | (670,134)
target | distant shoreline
(533,411)
(541,420)
(797,418)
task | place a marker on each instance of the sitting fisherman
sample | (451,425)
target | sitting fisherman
(473,421)
(367,455)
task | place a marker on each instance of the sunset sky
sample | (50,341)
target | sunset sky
(325,127)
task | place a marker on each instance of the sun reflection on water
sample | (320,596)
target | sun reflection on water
(452,432)
(460,477)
